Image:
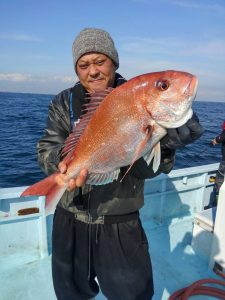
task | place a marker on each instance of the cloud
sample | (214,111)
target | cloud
(215,6)
(208,47)
(26,83)
(20,77)
(20,37)
(66,79)
(16,77)
(141,1)
(215,48)
(200,6)
(39,57)
(147,45)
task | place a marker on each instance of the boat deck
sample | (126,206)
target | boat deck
(175,265)
(171,204)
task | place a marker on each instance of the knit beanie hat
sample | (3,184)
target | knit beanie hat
(94,40)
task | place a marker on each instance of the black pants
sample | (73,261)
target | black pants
(220,175)
(117,254)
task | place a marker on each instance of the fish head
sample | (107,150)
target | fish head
(169,97)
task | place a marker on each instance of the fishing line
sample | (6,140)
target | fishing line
(205,149)
(199,154)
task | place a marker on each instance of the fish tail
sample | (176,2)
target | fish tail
(49,188)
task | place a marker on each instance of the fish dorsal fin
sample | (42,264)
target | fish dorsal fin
(88,110)
(99,179)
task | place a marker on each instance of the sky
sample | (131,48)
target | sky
(150,35)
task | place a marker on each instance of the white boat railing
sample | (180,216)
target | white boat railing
(26,233)
(181,193)
(177,195)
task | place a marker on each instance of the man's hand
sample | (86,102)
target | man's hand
(214,142)
(72,183)
(184,135)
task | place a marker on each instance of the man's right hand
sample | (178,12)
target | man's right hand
(74,182)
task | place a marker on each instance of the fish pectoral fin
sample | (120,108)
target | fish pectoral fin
(155,154)
(102,178)
(148,130)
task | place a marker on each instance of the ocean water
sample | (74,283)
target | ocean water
(23,119)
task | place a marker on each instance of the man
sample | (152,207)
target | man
(97,231)
(220,139)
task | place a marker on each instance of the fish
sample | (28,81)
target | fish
(120,125)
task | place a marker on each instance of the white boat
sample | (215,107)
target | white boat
(185,241)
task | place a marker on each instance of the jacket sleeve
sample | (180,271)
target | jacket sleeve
(175,138)
(221,138)
(57,130)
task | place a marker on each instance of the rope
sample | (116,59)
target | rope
(199,288)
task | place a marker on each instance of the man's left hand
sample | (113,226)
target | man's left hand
(183,135)
(213,142)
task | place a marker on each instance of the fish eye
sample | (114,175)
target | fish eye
(163,85)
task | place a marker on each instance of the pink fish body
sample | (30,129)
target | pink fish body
(122,125)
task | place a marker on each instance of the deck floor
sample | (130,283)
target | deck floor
(175,265)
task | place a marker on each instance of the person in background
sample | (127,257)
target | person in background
(220,139)
(97,232)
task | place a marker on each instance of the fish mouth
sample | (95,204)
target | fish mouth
(179,122)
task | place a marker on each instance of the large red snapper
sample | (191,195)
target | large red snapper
(120,126)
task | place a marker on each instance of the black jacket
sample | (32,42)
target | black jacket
(221,139)
(111,199)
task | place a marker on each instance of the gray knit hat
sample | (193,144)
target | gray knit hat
(94,40)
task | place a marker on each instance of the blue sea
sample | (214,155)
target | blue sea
(23,119)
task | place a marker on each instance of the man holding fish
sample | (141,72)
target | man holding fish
(104,137)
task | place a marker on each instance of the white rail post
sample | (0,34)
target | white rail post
(43,229)
(218,241)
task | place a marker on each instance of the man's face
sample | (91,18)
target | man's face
(95,71)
